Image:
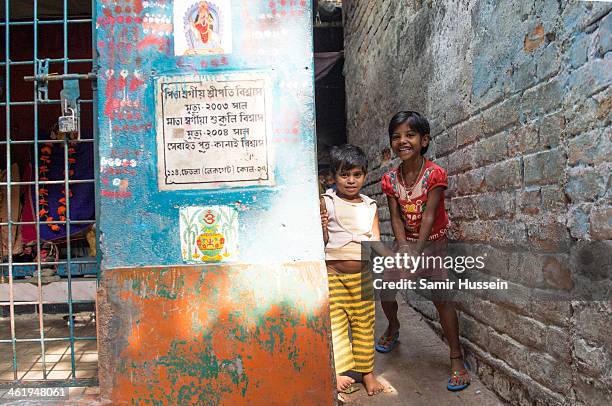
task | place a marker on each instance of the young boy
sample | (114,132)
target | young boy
(347,218)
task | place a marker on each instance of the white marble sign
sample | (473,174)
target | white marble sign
(212,131)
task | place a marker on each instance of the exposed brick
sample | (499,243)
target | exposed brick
(552,130)
(511,351)
(495,205)
(544,167)
(500,116)
(530,200)
(548,234)
(548,62)
(553,198)
(590,78)
(445,142)
(593,360)
(590,391)
(385,228)
(578,220)
(463,208)
(522,140)
(582,118)
(592,321)
(584,184)
(601,223)
(578,52)
(474,330)
(461,160)
(557,274)
(590,148)
(489,150)
(496,261)
(383,214)
(525,268)
(469,131)
(524,75)
(502,386)
(501,232)
(558,343)
(516,297)
(551,108)
(471,182)
(550,372)
(488,313)
(542,99)
(527,331)
(504,175)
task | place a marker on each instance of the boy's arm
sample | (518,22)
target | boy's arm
(324,220)
(433,199)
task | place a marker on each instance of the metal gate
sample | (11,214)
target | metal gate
(49,270)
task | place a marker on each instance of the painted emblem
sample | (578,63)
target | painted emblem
(208,234)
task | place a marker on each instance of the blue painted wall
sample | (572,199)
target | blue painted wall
(139,225)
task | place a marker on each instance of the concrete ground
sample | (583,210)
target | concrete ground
(58,363)
(417,370)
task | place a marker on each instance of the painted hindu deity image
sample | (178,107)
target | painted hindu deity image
(202,27)
(208,234)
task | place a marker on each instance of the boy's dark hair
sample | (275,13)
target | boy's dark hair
(346,157)
(414,120)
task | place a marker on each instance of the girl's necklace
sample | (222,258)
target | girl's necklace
(409,189)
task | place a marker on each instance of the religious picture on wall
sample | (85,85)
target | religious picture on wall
(208,234)
(202,27)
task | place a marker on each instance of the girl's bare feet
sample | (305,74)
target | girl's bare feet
(392,328)
(343,382)
(372,385)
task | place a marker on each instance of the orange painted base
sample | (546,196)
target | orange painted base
(216,335)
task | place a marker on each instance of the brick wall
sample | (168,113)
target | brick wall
(518,95)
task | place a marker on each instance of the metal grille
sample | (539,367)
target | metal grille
(33,338)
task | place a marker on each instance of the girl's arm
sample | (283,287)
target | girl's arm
(324,220)
(433,199)
(397,224)
(378,247)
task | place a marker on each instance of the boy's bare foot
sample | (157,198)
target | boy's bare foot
(343,382)
(372,385)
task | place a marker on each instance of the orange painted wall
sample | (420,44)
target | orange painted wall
(194,335)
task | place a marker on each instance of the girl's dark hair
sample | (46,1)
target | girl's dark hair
(414,120)
(347,156)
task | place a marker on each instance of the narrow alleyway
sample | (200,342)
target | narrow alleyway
(417,370)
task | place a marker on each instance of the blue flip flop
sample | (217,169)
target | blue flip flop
(456,374)
(387,343)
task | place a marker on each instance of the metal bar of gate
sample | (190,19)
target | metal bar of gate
(8,103)
(9,187)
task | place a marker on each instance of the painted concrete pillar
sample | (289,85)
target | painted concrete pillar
(213,287)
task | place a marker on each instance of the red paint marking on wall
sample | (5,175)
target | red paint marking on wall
(116,194)
(161,43)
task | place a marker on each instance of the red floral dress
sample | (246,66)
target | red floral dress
(412,203)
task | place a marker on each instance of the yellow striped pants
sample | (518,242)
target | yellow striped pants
(347,309)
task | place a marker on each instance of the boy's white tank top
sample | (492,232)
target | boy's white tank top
(349,224)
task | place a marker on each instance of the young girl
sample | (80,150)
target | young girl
(348,218)
(415,193)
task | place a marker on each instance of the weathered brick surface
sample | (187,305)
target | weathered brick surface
(519,99)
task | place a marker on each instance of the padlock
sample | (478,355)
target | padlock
(68,124)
